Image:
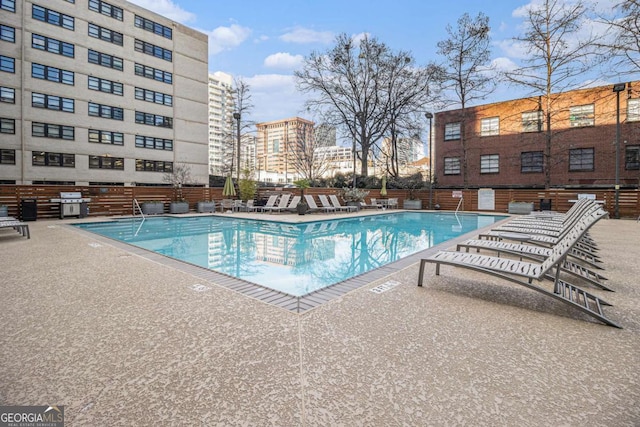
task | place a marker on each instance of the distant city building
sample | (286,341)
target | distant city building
(408,152)
(276,145)
(336,159)
(100,93)
(506,141)
(221,129)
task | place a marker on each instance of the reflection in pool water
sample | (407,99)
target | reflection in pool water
(293,258)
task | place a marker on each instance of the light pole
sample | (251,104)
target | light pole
(359,118)
(237,116)
(429,117)
(617,88)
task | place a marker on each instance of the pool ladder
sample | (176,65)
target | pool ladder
(136,207)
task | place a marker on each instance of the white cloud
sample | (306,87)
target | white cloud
(305,35)
(283,60)
(226,38)
(168,9)
(503,64)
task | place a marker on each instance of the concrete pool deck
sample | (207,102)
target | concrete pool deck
(122,340)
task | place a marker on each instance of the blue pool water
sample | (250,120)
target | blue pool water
(293,258)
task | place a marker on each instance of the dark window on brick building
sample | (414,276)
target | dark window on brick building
(581,159)
(531,161)
(632,157)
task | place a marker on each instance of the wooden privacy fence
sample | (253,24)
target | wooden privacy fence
(113,201)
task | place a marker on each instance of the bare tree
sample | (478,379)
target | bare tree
(243,106)
(625,45)
(306,157)
(356,84)
(559,53)
(466,60)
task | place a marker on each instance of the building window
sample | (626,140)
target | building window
(7,33)
(531,161)
(106,111)
(153,166)
(9,5)
(105,9)
(452,166)
(154,143)
(632,157)
(532,121)
(52,17)
(63,160)
(153,96)
(7,157)
(582,115)
(7,64)
(633,110)
(39,71)
(8,95)
(106,137)
(153,27)
(105,34)
(154,120)
(153,73)
(490,163)
(581,159)
(105,60)
(52,45)
(51,102)
(7,125)
(451,131)
(48,130)
(106,162)
(153,50)
(490,126)
(104,85)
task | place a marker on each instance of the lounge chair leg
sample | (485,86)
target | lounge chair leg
(421,273)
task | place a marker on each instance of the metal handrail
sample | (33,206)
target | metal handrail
(459,203)
(136,204)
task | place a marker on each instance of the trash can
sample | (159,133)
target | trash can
(545,204)
(28,209)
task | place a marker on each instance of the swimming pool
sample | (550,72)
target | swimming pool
(293,258)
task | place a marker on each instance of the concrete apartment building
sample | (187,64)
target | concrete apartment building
(221,130)
(506,141)
(100,92)
(276,146)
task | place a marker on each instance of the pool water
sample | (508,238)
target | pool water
(295,258)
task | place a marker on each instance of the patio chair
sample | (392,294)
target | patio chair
(311,202)
(249,207)
(524,273)
(237,205)
(281,206)
(326,205)
(226,205)
(392,203)
(270,203)
(337,205)
(374,203)
(581,264)
(19,226)
(293,204)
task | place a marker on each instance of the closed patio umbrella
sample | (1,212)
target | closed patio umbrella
(228,190)
(383,190)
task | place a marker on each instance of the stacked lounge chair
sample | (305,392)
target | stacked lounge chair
(552,263)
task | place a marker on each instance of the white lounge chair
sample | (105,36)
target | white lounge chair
(270,202)
(524,272)
(19,226)
(311,202)
(337,205)
(326,205)
(282,204)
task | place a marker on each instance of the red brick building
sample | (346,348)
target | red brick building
(506,142)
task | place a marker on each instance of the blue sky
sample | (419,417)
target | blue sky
(264,41)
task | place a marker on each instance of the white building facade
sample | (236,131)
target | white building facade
(221,129)
(97,93)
